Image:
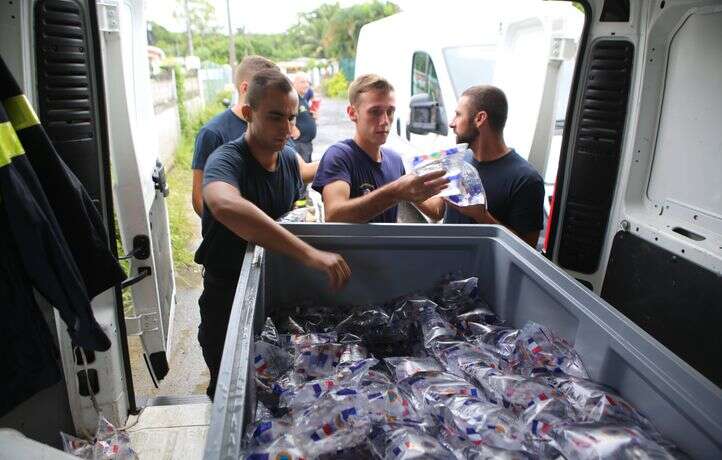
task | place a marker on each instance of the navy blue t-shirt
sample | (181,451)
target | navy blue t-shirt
(346,161)
(305,122)
(274,192)
(224,127)
(514,193)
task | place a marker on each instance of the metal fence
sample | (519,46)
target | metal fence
(214,80)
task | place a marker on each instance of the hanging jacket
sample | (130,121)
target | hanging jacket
(29,358)
(44,254)
(77,217)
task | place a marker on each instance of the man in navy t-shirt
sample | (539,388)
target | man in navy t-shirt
(359,180)
(247,184)
(229,125)
(514,189)
(305,120)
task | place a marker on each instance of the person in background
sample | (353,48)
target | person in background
(360,180)
(229,125)
(514,189)
(305,119)
(248,183)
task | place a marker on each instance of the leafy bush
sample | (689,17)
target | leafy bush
(335,86)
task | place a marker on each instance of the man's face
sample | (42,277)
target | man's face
(271,121)
(300,85)
(373,115)
(463,123)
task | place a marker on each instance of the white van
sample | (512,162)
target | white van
(637,213)
(527,48)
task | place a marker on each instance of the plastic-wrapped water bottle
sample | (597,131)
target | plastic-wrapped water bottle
(465,187)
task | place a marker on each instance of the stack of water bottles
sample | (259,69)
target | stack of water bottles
(465,187)
(465,385)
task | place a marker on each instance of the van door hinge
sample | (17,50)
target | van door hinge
(137,325)
(108,20)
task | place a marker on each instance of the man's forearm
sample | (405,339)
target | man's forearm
(488,219)
(364,208)
(433,207)
(253,225)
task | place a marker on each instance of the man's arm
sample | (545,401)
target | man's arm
(197,192)
(206,142)
(482,216)
(339,207)
(250,223)
(433,207)
(307,170)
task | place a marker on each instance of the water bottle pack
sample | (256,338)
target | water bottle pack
(465,187)
(463,385)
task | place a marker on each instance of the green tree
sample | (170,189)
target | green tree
(329,31)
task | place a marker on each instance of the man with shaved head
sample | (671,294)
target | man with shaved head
(229,125)
(248,183)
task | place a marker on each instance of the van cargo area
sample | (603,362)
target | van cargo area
(518,283)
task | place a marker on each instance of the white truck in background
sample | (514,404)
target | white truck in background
(527,48)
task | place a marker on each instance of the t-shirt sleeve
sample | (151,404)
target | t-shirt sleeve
(527,208)
(223,166)
(298,185)
(206,142)
(334,166)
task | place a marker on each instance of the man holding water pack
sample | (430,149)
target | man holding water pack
(360,181)
(514,189)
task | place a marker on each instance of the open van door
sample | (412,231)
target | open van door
(139,183)
(638,205)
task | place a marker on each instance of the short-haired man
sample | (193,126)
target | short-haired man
(305,120)
(514,189)
(229,125)
(360,181)
(247,184)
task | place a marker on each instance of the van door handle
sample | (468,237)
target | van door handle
(143,272)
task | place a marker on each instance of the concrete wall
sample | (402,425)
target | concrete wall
(165,103)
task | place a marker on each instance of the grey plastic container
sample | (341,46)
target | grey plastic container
(520,284)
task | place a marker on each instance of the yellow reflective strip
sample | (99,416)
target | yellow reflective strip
(20,112)
(10,145)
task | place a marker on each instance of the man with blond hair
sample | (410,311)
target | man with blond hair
(230,125)
(360,180)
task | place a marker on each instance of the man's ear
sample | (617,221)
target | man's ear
(480,118)
(352,113)
(247,112)
(243,88)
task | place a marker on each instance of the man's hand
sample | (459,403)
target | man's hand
(476,211)
(416,189)
(333,265)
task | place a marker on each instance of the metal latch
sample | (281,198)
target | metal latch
(141,248)
(137,325)
(108,20)
(143,272)
(161,183)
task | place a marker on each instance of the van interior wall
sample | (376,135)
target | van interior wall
(665,264)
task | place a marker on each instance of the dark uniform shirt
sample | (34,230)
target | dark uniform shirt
(346,161)
(305,122)
(273,192)
(224,127)
(514,193)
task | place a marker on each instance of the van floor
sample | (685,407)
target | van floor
(171,431)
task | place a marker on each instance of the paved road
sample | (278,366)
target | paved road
(333,125)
